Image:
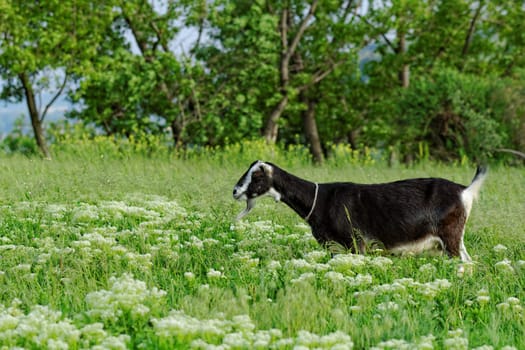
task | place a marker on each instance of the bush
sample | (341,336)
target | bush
(18,140)
(454,115)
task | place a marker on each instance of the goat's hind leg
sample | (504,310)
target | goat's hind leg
(452,239)
(455,247)
(465,257)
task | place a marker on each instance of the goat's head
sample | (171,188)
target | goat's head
(255,182)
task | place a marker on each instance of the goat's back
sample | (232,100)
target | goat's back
(394,213)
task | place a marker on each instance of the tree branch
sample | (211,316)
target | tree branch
(300,31)
(470,32)
(346,11)
(59,92)
(388,42)
(284,31)
(511,151)
(320,75)
(160,39)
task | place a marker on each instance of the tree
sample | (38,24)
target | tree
(42,44)
(148,90)
(281,51)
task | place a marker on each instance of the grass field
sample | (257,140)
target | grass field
(135,252)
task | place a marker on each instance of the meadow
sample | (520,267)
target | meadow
(117,251)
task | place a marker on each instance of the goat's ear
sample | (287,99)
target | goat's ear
(266,169)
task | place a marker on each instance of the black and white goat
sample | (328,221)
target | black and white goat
(409,215)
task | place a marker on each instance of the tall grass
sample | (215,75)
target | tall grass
(102,249)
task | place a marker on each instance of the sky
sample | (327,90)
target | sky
(9,112)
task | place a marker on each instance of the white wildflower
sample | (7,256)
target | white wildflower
(87,213)
(334,339)
(119,342)
(360,280)
(428,268)
(315,256)
(214,274)
(504,266)
(500,248)
(274,265)
(178,324)
(321,267)
(307,339)
(306,277)
(355,308)
(393,344)
(455,341)
(23,267)
(243,323)
(125,295)
(94,332)
(236,340)
(204,288)
(300,264)
(335,277)
(483,296)
(381,262)
(388,306)
(347,262)
(503,306)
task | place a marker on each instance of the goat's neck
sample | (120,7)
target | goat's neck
(297,193)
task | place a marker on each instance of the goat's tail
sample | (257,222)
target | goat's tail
(471,192)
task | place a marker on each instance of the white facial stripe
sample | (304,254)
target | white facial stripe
(248,179)
(244,187)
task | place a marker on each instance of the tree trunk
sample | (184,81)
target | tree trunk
(404,73)
(310,130)
(288,49)
(272,127)
(176,130)
(36,123)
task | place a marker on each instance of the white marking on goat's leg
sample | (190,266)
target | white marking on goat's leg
(463,250)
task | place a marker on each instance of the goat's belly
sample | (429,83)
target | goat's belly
(428,243)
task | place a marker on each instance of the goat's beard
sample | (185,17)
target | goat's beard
(250,203)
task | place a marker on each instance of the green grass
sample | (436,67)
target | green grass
(142,253)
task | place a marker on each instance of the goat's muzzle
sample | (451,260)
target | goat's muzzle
(237,194)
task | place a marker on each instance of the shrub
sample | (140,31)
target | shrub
(454,115)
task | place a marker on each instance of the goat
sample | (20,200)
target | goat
(407,215)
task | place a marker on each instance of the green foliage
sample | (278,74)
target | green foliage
(43,45)
(117,95)
(453,114)
(419,79)
(17,141)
